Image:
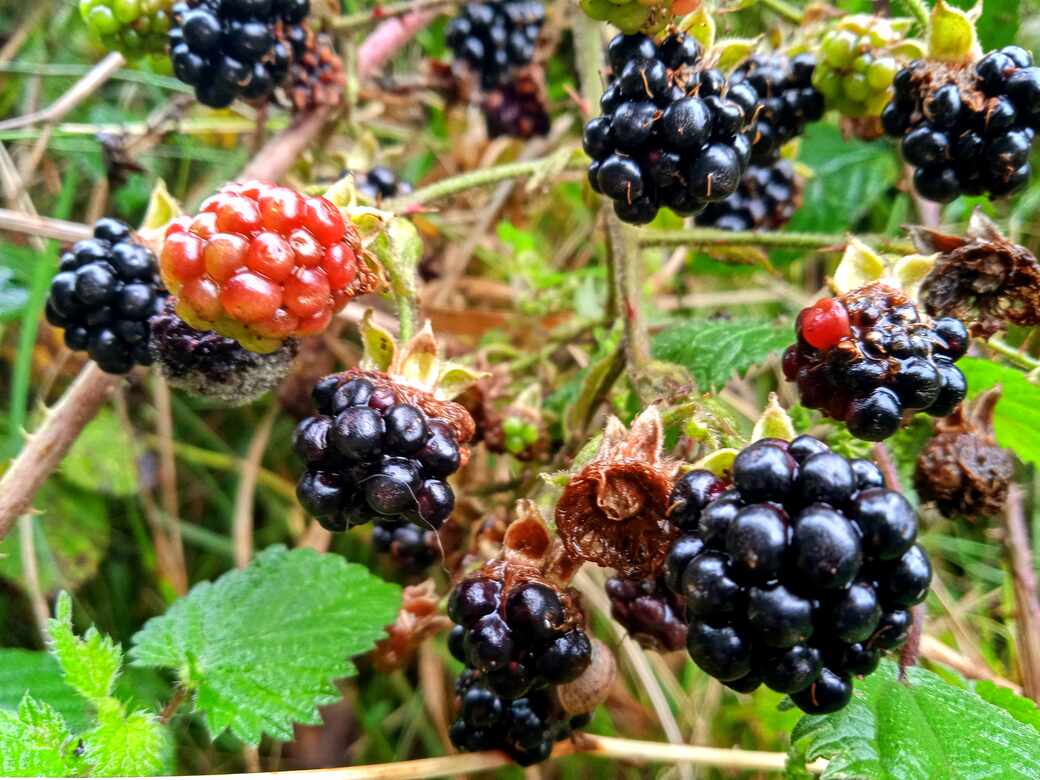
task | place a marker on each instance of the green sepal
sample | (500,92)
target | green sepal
(701,26)
(379,346)
(775,422)
(951,33)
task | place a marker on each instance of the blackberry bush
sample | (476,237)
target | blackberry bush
(230,49)
(798,574)
(105,292)
(670,134)
(495,38)
(767,198)
(650,612)
(868,358)
(133,27)
(967,129)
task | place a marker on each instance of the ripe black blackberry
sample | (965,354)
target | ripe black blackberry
(787,100)
(767,198)
(228,49)
(516,109)
(526,727)
(412,548)
(649,611)
(798,574)
(967,129)
(670,134)
(869,357)
(106,290)
(523,636)
(372,454)
(494,38)
(381,183)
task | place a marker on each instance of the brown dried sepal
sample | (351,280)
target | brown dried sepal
(961,468)
(865,128)
(417,621)
(982,278)
(614,511)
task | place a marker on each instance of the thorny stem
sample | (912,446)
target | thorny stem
(623,256)
(174,704)
(1016,356)
(714,237)
(783,9)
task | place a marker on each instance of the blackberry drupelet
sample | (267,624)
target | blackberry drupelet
(412,548)
(869,357)
(228,49)
(105,292)
(381,183)
(767,198)
(671,134)
(494,38)
(798,574)
(516,109)
(969,129)
(787,100)
(649,611)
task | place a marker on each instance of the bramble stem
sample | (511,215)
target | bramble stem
(919,10)
(784,9)
(623,256)
(1027,612)
(1016,356)
(378,13)
(699,236)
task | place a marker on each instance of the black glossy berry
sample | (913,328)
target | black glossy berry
(679,50)
(724,652)
(392,489)
(855,613)
(925,145)
(905,582)
(357,433)
(886,520)
(943,106)
(830,692)
(825,548)
(690,494)
(632,123)
(779,617)
(534,611)
(471,599)
(620,178)
(867,474)
(764,473)
(953,335)
(565,658)
(803,447)
(311,438)
(625,48)
(711,592)
(757,542)
(434,502)
(716,519)
(791,670)
(683,550)
(876,416)
(406,430)
(827,478)
(489,643)
(321,493)
(892,631)
(686,123)
(917,383)
(596,138)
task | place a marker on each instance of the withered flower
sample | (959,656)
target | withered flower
(961,468)
(417,620)
(614,511)
(982,279)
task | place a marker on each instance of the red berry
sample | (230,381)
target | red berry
(307,292)
(315,324)
(340,265)
(204,225)
(182,255)
(203,295)
(270,255)
(308,251)
(825,323)
(322,218)
(238,215)
(248,297)
(225,254)
(281,209)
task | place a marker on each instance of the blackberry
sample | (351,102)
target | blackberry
(517,109)
(228,49)
(649,611)
(524,637)
(381,183)
(525,727)
(787,100)
(667,136)
(105,292)
(766,199)
(869,357)
(316,77)
(412,548)
(967,129)
(494,38)
(798,573)
(372,455)
(211,366)
(134,27)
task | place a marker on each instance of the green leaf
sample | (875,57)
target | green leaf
(91,664)
(998,25)
(1019,707)
(713,351)
(1015,414)
(102,459)
(261,646)
(127,745)
(35,742)
(37,673)
(13,295)
(927,728)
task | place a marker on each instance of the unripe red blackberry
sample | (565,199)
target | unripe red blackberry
(868,357)
(652,614)
(105,292)
(493,39)
(797,572)
(766,199)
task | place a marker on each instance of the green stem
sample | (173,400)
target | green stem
(919,10)
(588,42)
(784,9)
(405,317)
(1016,356)
(624,258)
(715,237)
(377,14)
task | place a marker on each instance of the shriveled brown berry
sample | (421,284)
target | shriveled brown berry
(417,620)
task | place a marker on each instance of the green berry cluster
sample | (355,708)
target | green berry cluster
(519,434)
(632,16)
(134,27)
(858,59)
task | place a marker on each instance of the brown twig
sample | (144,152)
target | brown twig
(937,652)
(31,574)
(242,520)
(1027,612)
(883,459)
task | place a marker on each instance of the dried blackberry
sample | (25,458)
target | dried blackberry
(316,77)
(766,199)
(495,38)
(649,611)
(517,108)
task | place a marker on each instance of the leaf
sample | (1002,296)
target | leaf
(925,729)
(998,25)
(13,295)
(701,26)
(713,351)
(102,459)
(37,673)
(122,745)
(35,742)
(261,646)
(91,664)
(1014,420)
(1019,707)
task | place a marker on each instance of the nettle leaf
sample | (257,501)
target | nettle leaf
(261,646)
(926,728)
(91,664)
(713,351)
(1016,409)
(127,745)
(1019,707)
(35,742)
(37,673)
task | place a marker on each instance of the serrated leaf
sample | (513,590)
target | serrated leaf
(37,673)
(1019,707)
(925,728)
(35,742)
(1015,415)
(102,459)
(126,745)
(714,351)
(261,646)
(91,664)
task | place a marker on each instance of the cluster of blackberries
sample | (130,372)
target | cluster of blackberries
(526,727)
(494,38)
(106,290)
(967,130)
(868,357)
(412,548)
(650,612)
(381,183)
(519,639)
(767,198)
(369,455)
(787,100)
(230,49)
(516,109)
(670,135)
(799,574)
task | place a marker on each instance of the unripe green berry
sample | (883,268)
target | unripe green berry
(881,73)
(515,444)
(839,48)
(856,87)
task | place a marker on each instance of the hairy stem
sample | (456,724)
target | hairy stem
(1015,356)
(699,236)
(784,9)
(623,256)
